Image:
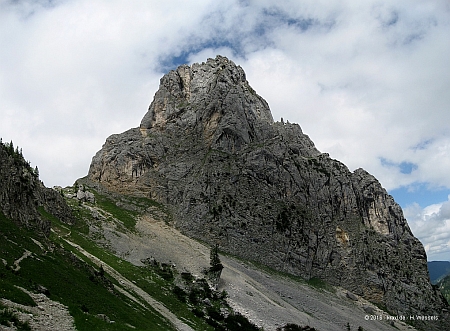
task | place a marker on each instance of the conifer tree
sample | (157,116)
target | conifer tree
(11,148)
(215,269)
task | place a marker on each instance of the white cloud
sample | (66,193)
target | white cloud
(73,74)
(431,225)
(367,81)
(383,90)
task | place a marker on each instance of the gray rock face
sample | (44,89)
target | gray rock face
(21,193)
(85,196)
(209,149)
(199,95)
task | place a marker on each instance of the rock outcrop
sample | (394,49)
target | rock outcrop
(22,193)
(209,150)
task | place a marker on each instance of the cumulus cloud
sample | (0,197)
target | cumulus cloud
(367,81)
(432,226)
(73,73)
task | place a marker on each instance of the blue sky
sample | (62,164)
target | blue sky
(367,81)
(420,194)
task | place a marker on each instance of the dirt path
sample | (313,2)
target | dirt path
(26,254)
(47,315)
(129,287)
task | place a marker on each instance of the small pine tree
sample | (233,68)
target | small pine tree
(215,263)
(11,148)
(36,172)
(215,270)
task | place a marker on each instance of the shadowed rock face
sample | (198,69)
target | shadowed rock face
(209,149)
(22,193)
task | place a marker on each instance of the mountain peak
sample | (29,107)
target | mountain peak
(209,151)
(215,97)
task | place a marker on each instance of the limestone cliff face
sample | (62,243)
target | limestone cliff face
(22,193)
(209,149)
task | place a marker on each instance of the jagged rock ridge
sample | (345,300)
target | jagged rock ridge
(22,193)
(209,149)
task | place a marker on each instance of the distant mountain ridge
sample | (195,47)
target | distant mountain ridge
(209,150)
(438,270)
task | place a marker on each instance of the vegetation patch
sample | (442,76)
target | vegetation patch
(13,293)
(87,291)
(444,287)
(10,319)
(127,217)
(320,284)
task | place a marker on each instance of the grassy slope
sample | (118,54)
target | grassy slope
(68,281)
(74,280)
(189,307)
(146,278)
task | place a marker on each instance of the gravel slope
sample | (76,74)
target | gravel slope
(269,300)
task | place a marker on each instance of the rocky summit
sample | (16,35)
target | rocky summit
(209,150)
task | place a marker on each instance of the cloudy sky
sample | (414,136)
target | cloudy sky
(368,81)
